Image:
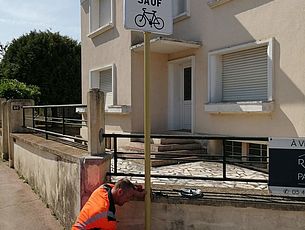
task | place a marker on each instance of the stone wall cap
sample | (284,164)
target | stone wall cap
(67,152)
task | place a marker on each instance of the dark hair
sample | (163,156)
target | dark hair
(124,184)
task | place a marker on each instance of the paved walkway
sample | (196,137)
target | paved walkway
(20,207)
(203,169)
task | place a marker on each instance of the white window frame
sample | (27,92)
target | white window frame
(103,28)
(94,81)
(215,103)
(185,14)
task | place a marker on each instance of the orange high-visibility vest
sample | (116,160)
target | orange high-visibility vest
(99,211)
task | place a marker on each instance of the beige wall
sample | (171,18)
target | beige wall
(118,122)
(56,181)
(184,215)
(233,23)
(111,47)
(238,22)
(158,92)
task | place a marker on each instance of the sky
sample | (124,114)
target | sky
(18,17)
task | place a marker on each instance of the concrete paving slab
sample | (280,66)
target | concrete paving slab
(196,169)
(20,207)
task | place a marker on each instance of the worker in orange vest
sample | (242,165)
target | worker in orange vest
(99,210)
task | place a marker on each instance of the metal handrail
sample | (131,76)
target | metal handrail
(221,158)
(54,106)
(56,134)
(46,120)
(197,136)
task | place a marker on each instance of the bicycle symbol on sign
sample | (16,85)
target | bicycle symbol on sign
(142,19)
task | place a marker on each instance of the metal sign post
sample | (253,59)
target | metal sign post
(147,120)
(149,16)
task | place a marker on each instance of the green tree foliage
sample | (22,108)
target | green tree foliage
(49,61)
(13,89)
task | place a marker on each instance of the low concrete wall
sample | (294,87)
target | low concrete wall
(65,177)
(14,113)
(62,175)
(183,214)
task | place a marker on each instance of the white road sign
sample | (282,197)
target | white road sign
(149,15)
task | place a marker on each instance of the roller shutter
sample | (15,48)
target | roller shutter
(106,85)
(244,75)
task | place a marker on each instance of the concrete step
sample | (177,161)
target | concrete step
(164,141)
(180,153)
(169,157)
(166,151)
(160,162)
(172,147)
(138,146)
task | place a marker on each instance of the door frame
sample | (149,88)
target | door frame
(174,121)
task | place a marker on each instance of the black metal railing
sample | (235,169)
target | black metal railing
(222,158)
(61,121)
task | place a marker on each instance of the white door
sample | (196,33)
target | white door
(186,97)
(180,94)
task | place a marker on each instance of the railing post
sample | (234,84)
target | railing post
(115,155)
(224,160)
(14,121)
(4,136)
(63,121)
(23,117)
(96,122)
(46,120)
(33,114)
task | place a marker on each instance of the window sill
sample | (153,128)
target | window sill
(181,17)
(111,109)
(214,3)
(118,109)
(100,30)
(240,107)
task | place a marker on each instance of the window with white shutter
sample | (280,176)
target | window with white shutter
(104,79)
(180,8)
(101,16)
(243,76)
(106,85)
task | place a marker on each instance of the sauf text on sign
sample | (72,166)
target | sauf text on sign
(151,2)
